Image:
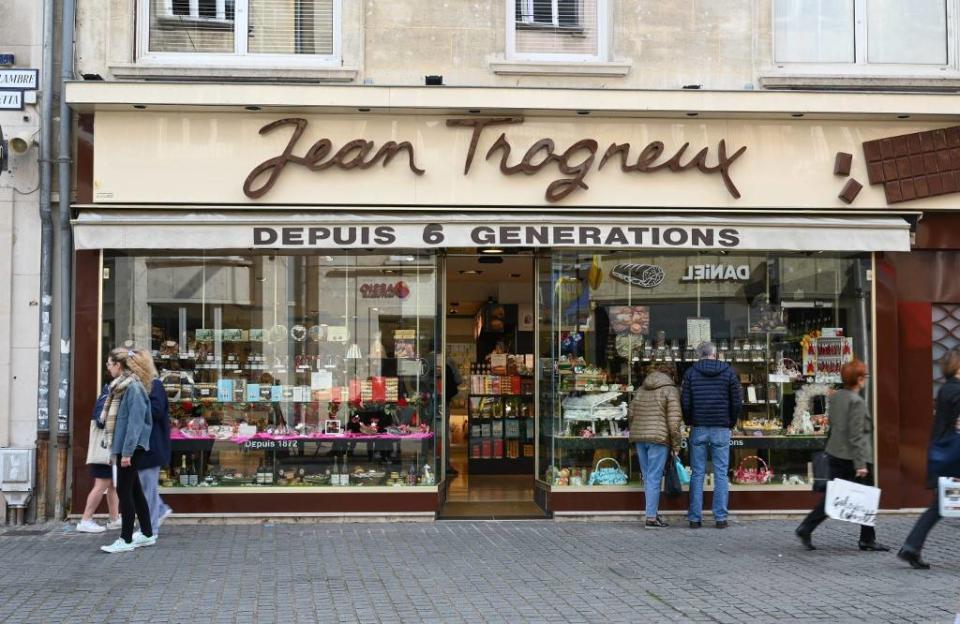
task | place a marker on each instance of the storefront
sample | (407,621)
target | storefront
(292,281)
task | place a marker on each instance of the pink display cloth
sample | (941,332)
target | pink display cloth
(176,434)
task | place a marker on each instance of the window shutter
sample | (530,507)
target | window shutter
(291,27)
(569,12)
(204,26)
(543,11)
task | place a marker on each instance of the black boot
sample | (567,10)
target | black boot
(805,539)
(913,558)
(873,546)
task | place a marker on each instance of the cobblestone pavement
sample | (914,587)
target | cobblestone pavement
(464,571)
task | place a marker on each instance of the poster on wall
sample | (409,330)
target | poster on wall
(629,320)
(525,317)
(698,330)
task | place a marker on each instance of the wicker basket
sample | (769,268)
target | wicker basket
(760,474)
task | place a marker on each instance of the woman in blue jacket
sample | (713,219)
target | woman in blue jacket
(128,425)
(159,454)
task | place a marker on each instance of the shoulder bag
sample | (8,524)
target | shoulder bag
(98,450)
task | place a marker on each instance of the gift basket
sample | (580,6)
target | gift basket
(759,474)
(367,477)
(608,475)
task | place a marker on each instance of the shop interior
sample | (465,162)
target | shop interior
(490,340)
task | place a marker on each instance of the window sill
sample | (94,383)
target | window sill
(890,82)
(239,73)
(560,68)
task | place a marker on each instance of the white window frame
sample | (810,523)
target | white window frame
(603,17)
(240,56)
(860,67)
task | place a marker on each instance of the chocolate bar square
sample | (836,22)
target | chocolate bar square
(892,192)
(939,139)
(953,136)
(886,148)
(900,145)
(920,184)
(871,150)
(890,170)
(913,143)
(875,172)
(949,181)
(842,163)
(907,190)
(935,184)
(930,163)
(903,168)
(850,191)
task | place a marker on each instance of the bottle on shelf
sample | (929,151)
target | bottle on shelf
(345,473)
(184,476)
(335,474)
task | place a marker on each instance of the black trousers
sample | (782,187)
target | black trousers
(133,504)
(839,469)
(923,526)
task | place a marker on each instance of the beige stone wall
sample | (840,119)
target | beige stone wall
(669,44)
(20,29)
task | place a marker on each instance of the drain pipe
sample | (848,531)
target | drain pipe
(46,258)
(66,255)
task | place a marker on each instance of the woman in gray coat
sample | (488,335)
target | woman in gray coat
(849,450)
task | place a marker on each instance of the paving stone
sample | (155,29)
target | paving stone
(535,571)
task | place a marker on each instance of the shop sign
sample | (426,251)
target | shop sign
(25,79)
(471,235)
(574,162)
(716,273)
(11,100)
(270,445)
(400,290)
(642,275)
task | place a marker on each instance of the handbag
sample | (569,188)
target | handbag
(608,475)
(949,495)
(681,471)
(672,487)
(943,457)
(821,471)
(98,450)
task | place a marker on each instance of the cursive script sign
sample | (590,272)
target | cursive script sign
(574,162)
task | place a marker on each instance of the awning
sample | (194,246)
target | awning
(161,229)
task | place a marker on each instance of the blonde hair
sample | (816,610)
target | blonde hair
(136,361)
(950,363)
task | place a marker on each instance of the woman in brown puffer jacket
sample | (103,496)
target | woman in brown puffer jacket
(655,418)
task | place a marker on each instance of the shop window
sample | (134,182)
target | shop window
(784,323)
(286,371)
(275,32)
(856,36)
(557,30)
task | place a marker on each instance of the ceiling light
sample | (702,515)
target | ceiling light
(491,250)
(796,114)
(388,271)
(903,116)
(139,106)
(583,112)
(692,114)
(471,272)
(364,110)
(252,108)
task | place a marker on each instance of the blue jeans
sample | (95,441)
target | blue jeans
(652,457)
(717,441)
(150,482)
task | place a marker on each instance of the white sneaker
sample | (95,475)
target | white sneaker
(114,524)
(118,546)
(89,526)
(166,514)
(140,540)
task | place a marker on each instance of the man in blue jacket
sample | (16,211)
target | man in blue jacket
(711,398)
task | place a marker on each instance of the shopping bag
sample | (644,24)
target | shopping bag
(672,486)
(852,502)
(949,497)
(98,449)
(681,471)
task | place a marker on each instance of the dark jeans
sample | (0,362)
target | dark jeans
(925,523)
(132,501)
(839,469)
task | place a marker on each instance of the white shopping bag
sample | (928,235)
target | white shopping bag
(949,497)
(852,502)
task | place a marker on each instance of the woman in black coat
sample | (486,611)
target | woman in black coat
(947,420)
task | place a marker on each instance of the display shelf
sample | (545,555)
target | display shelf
(576,443)
(779,442)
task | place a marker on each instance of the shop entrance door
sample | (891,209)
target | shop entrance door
(491,412)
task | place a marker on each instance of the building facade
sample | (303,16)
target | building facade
(306,210)
(20,45)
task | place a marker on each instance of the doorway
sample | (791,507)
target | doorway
(491,422)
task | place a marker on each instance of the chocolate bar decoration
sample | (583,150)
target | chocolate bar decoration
(841,164)
(912,166)
(850,191)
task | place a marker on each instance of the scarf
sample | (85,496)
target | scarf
(111,407)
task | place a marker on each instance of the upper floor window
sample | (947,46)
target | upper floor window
(253,32)
(557,30)
(861,36)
